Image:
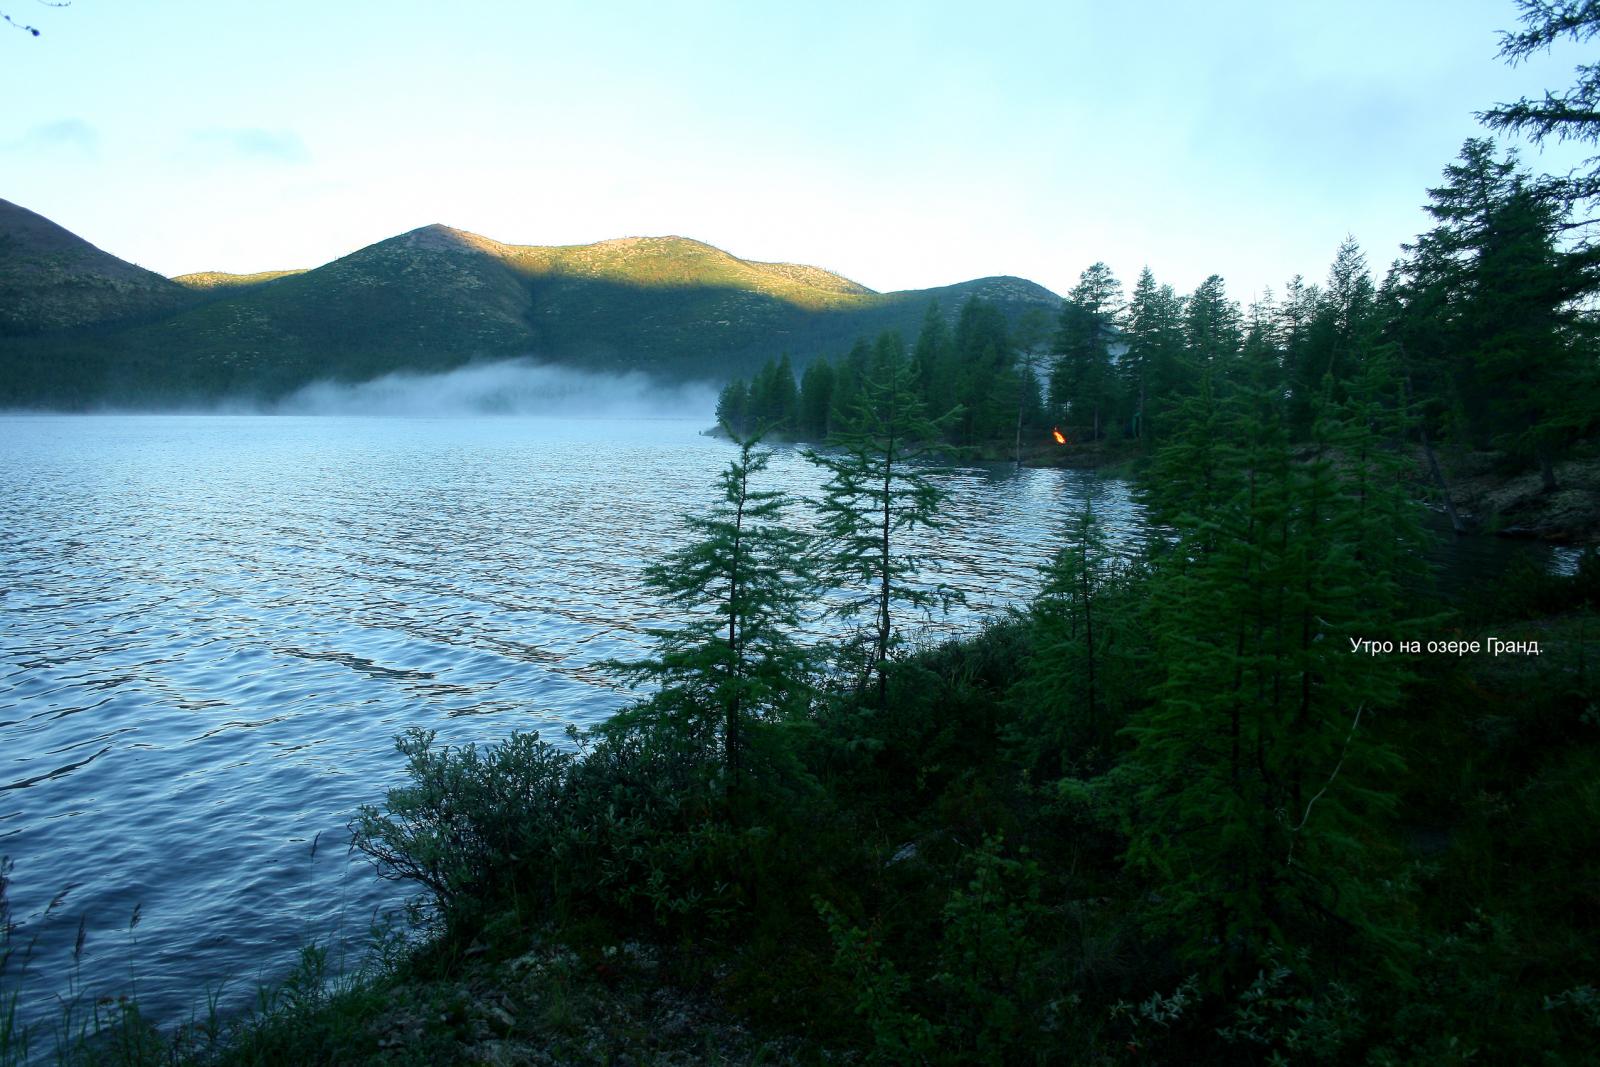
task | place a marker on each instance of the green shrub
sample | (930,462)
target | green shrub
(470,818)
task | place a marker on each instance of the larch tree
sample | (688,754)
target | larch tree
(1155,374)
(1570,115)
(1259,762)
(1490,321)
(741,587)
(1082,379)
(880,489)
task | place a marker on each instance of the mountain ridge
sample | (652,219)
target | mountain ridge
(52,279)
(437,297)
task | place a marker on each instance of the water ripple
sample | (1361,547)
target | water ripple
(234,616)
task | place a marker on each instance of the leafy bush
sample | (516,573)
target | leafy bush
(632,825)
(470,818)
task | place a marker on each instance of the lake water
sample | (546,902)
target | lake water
(212,627)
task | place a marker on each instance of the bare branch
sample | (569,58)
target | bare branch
(29,29)
(1336,768)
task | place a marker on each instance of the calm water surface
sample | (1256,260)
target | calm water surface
(211,628)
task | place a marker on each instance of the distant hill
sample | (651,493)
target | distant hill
(51,279)
(213,280)
(436,298)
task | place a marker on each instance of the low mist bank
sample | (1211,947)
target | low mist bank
(509,387)
(505,387)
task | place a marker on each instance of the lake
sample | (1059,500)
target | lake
(213,627)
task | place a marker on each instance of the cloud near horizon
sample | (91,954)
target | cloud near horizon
(254,143)
(73,134)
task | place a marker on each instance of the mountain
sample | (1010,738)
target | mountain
(216,280)
(436,298)
(51,279)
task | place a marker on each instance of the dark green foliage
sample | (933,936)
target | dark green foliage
(848,376)
(1573,115)
(461,829)
(737,587)
(733,404)
(1081,679)
(1489,319)
(1082,383)
(1261,755)
(774,400)
(976,367)
(1155,374)
(935,366)
(986,382)
(878,490)
(1212,328)
(816,400)
(1328,335)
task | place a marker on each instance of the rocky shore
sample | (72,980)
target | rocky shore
(1511,501)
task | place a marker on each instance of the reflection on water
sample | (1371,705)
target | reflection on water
(214,626)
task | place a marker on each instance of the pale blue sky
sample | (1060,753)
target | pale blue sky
(901,144)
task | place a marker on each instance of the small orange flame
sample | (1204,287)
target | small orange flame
(1060,437)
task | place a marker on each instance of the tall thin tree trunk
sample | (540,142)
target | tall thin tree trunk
(1547,470)
(1456,522)
(736,665)
(1141,403)
(1019,435)
(883,590)
(1088,635)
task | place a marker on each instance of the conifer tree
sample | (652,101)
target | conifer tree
(741,586)
(1083,378)
(986,388)
(1211,326)
(1074,690)
(1032,340)
(1332,342)
(733,407)
(1261,355)
(876,493)
(1259,760)
(1489,321)
(1297,315)
(1156,374)
(933,359)
(774,401)
(1572,115)
(847,378)
(816,399)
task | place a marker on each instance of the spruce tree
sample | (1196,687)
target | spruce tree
(1572,115)
(933,359)
(1490,321)
(847,377)
(986,385)
(1032,340)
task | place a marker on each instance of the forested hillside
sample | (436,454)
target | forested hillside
(429,300)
